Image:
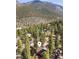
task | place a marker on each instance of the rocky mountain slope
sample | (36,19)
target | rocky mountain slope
(36,12)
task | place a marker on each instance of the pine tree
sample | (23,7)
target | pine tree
(59,43)
(46,55)
(51,43)
(27,48)
(42,37)
(19,49)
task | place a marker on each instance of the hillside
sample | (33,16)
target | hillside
(36,12)
(39,30)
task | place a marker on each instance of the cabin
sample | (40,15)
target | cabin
(47,33)
(28,34)
(18,28)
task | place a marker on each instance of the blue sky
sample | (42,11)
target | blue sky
(60,2)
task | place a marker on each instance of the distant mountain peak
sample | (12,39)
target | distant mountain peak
(36,0)
(38,8)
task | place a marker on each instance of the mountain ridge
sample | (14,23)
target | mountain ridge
(37,9)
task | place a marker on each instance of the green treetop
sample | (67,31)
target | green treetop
(19,49)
